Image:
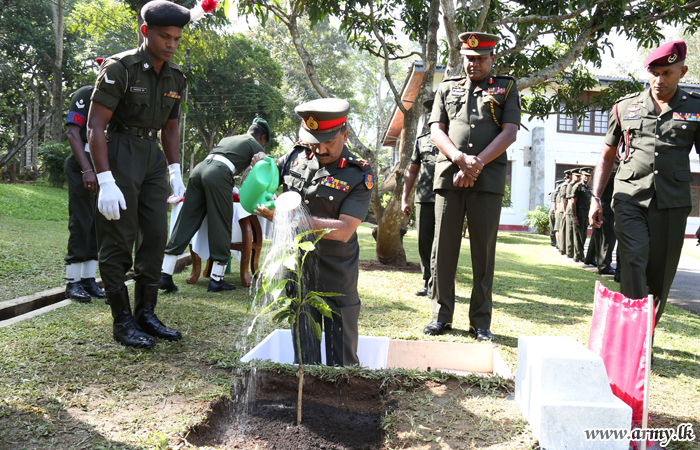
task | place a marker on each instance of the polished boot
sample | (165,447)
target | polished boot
(75,291)
(216,279)
(92,288)
(124,328)
(166,283)
(146,298)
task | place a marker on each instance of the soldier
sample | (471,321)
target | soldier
(209,194)
(603,239)
(423,166)
(658,127)
(474,120)
(336,186)
(561,210)
(137,94)
(569,212)
(81,258)
(553,213)
(580,206)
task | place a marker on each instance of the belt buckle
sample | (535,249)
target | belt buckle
(150,134)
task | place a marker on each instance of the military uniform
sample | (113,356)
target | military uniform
(583,204)
(603,239)
(651,198)
(81,257)
(342,187)
(569,217)
(425,156)
(561,217)
(473,115)
(209,195)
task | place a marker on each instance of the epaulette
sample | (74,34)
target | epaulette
(633,94)
(176,67)
(694,94)
(128,57)
(364,165)
(507,77)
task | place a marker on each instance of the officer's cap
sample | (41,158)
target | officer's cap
(478,43)
(322,119)
(163,13)
(667,54)
(586,171)
(568,171)
(262,123)
(576,171)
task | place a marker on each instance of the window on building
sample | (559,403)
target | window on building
(593,122)
(695,195)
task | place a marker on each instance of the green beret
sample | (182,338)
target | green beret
(262,123)
(163,13)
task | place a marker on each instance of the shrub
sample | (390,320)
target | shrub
(53,157)
(538,219)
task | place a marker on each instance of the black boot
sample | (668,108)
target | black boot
(166,283)
(146,298)
(92,288)
(75,291)
(219,286)
(124,328)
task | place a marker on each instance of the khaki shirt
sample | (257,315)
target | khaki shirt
(425,156)
(470,113)
(239,150)
(659,146)
(561,192)
(78,110)
(129,86)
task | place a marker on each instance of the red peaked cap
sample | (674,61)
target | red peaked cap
(667,54)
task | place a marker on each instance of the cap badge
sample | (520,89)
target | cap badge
(672,57)
(311,122)
(473,41)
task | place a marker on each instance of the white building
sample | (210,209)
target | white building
(541,155)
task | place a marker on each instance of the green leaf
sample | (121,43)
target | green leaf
(316,327)
(290,262)
(306,246)
(323,294)
(321,306)
(282,315)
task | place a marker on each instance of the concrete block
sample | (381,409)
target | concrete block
(561,385)
(564,423)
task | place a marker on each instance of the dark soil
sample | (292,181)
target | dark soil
(335,416)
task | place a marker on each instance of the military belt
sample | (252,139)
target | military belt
(145,133)
(222,159)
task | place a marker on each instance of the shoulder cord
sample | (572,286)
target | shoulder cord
(493,112)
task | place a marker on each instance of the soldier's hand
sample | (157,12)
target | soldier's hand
(576,222)
(176,183)
(257,157)
(595,214)
(90,182)
(406,208)
(264,212)
(472,166)
(461,179)
(111,197)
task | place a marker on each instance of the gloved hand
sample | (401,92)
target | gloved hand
(111,197)
(176,183)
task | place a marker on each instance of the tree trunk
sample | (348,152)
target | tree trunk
(57,92)
(452,30)
(34,155)
(389,238)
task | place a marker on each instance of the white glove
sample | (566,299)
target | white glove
(176,183)
(111,197)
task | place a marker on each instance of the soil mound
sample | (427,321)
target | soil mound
(335,416)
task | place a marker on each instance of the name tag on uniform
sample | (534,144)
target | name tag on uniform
(335,184)
(457,91)
(139,89)
(690,117)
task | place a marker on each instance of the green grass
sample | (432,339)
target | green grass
(65,384)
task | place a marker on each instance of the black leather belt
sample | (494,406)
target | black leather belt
(145,133)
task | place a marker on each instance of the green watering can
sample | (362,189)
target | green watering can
(260,185)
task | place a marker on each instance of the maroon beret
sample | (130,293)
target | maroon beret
(667,54)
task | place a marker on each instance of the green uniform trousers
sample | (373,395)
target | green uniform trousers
(580,235)
(209,193)
(602,244)
(82,240)
(140,170)
(483,210)
(552,226)
(569,249)
(650,241)
(563,231)
(425,215)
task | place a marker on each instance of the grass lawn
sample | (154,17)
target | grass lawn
(65,384)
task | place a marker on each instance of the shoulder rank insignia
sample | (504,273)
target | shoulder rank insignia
(362,162)
(369,181)
(80,104)
(107,80)
(690,117)
(173,94)
(335,184)
(342,162)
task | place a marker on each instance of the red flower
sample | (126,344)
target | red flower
(209,5)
